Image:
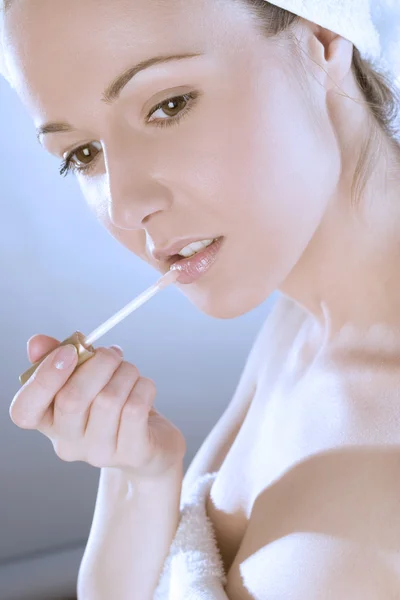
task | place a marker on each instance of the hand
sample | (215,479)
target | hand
(101,414)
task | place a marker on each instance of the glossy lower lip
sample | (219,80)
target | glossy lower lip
(191,269)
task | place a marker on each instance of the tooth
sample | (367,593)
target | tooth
(195,247)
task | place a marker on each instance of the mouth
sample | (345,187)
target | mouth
(192,268)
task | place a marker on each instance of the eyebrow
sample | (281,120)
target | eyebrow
(115,88)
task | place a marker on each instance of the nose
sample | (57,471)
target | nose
(135,193)
(132,205)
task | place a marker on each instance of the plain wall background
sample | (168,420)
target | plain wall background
(61,272)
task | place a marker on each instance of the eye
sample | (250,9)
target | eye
(173,108)
(81,159)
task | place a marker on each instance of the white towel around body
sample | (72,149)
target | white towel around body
(193,569)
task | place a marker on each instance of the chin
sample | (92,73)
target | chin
(228,303)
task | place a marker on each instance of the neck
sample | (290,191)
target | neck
(350,271)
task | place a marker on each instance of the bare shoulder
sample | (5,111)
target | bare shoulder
(328,526)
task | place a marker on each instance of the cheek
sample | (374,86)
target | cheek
(280,166)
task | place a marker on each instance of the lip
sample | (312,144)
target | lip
(191,269)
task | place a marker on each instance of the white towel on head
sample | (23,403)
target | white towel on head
(349,18)
(193,569)
(386,18)
(373,26)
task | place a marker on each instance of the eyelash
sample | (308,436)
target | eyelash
(67,166)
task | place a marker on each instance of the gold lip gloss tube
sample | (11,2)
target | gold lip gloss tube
(76,339)
(83,344)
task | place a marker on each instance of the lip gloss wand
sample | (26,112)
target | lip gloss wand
(83,344)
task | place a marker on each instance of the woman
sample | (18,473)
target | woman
(271,132)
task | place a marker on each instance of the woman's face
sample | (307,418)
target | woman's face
(238,155)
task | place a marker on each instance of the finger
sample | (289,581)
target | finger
(31,402)
(39,345)
(73,401)
(105,413)
(132,441)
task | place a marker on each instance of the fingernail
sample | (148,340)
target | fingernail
(65,357)
(118,349)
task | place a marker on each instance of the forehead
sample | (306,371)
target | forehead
(52,47)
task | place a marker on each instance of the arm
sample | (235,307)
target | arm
(132,530)
(111,550)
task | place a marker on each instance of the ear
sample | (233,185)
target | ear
(331,54)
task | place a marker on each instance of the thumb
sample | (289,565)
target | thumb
(39,345)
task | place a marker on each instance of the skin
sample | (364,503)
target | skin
(271,158)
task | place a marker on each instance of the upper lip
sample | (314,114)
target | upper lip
(166,253)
